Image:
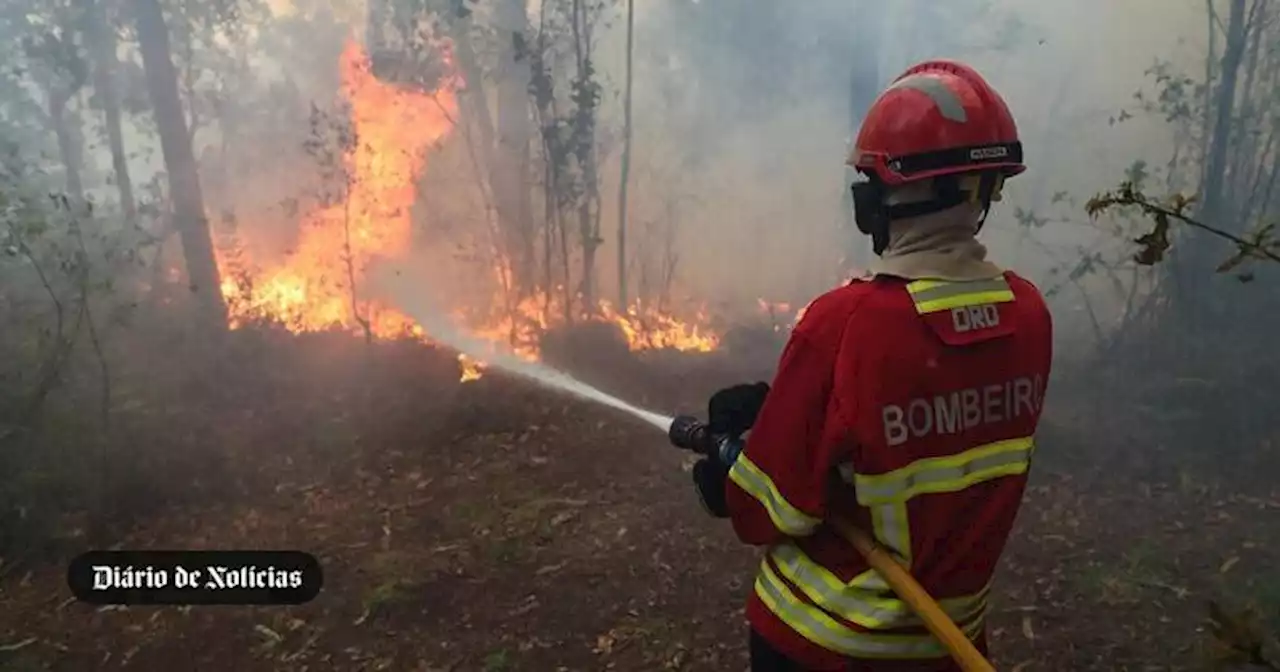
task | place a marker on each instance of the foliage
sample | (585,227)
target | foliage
(20,115)
(45,44)
(1260,244)
(69,284)
(51,42)
(404,37)
(564,48)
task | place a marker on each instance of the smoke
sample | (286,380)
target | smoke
(744,112)
(401,286)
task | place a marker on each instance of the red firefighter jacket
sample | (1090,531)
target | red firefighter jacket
(907,408)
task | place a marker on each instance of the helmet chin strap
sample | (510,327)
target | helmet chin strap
(989,187)
(873,214)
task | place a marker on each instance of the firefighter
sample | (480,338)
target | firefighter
(904,403)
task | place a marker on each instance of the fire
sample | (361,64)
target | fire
(471,369)
(781,314)
(648,328)
(774,309)
(312,289)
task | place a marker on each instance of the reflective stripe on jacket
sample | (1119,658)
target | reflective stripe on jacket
(909,409)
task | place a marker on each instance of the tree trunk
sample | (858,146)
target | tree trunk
(1198,301)
(179,161)
(590,242)
(475,107)
(68,146)
(102,43)
(1224,107)
(584,151)
(504,146)
(512,195)
(625,171)
(1246,160)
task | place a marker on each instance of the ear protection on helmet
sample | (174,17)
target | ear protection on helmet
(870,213)
(873,214)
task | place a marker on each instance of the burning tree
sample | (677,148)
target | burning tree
(180,163)
(572,179)
(369,214)
(441,57)
(376,162)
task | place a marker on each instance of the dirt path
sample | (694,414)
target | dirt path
(554,536)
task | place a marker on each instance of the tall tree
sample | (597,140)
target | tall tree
(625,171)
(1224,105)
(490,47)
(584,142)
(60,70)
(1215,160)
(179,160)
(515,131)
(100,34)
(1224,152)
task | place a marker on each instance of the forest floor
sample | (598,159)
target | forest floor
(496,526)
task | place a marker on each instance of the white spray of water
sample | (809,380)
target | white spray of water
(443,330)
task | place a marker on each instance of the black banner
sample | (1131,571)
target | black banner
(195,577)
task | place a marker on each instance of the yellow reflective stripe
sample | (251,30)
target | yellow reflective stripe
(870,580)
(890,527)
(952,473)
(889,522)
(817,626)
(931,296)
(866,607)
(787,518)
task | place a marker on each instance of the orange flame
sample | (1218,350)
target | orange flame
(471,369)
(781,314)
(311,290)
(647,328)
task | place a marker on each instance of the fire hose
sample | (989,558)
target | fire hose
(691,434)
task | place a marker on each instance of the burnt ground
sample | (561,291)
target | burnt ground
(496,526)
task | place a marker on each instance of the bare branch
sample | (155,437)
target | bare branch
(85,290)
(1155,243)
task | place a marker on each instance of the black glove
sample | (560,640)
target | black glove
(709,476)
(730,411)
(734,409)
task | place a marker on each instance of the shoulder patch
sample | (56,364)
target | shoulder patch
(965,312)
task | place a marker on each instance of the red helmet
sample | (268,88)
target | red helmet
(937,118)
